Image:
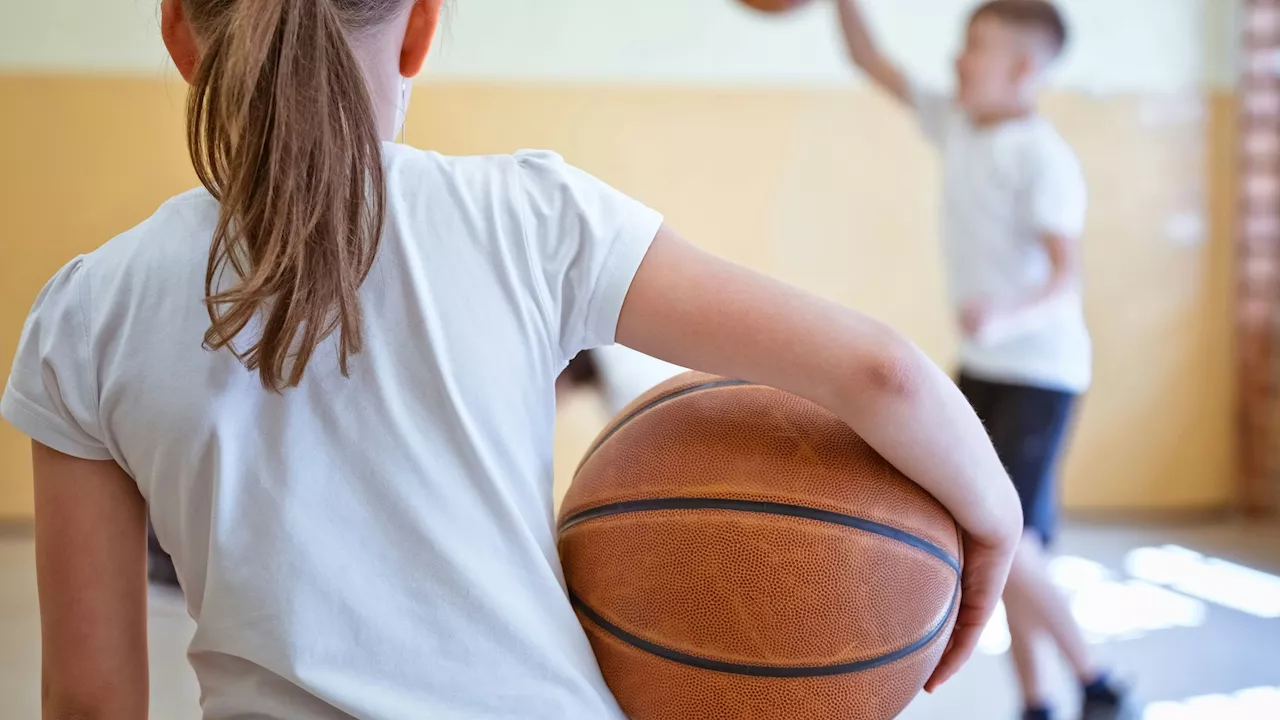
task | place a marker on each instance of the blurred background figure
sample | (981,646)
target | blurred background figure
(618,373)
(748,130)
(160,570)
(1014,205)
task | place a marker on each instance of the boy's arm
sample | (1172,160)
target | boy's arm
(1058,197)
(1063,275)
(987,322)
(1059,205)
(866,55)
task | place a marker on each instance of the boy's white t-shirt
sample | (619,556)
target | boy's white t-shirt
(380,546)
(1004,188)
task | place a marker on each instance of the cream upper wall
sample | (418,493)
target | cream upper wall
(1122,45)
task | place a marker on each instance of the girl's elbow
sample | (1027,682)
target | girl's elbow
(896,369)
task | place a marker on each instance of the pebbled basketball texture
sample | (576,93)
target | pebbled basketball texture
(734,551)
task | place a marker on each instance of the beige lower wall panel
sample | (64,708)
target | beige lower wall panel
(829,189)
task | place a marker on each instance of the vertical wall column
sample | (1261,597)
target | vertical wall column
(1258,259)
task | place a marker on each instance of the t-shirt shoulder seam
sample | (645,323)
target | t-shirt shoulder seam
(606,268)
(609,267)
(15,400)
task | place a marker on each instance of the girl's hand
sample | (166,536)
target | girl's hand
(986,567)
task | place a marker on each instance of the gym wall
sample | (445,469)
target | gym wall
(758,141)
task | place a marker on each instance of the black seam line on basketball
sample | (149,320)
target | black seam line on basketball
(764,508)
(767,671)
(653,404)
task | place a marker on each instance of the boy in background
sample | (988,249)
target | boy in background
(1014,208)
(618,373)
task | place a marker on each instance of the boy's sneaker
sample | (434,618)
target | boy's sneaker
(1106,700)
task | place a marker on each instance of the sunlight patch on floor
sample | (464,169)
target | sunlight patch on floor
(1254,704)
(1211,579)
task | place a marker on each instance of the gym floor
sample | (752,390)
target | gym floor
(1191,613)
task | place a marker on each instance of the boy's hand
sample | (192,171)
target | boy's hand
(976,316)
(986,567)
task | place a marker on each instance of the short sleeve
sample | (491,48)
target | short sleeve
(586,241)
(1059,196)
(51,395)
(935,112)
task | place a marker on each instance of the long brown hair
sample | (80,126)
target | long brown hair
(282,131)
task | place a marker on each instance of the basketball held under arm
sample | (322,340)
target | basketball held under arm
(694,310)
(91,569)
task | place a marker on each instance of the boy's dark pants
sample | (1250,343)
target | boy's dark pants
(1028,426)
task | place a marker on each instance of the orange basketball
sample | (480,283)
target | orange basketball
(774,6)
(734,551)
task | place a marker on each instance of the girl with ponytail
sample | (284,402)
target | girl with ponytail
(327,376)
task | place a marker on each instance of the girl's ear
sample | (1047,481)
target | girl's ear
(178,38)
(424,18)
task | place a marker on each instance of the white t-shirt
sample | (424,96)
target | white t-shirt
(379,546)
(1003,188)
